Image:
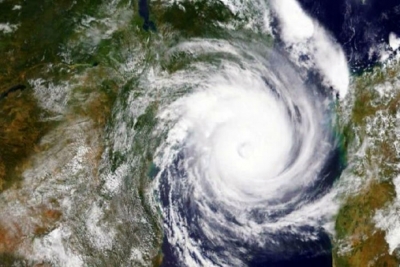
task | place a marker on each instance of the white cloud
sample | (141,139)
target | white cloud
(8,28)
(394,41)
(388,220)
(53,249)
(304,36)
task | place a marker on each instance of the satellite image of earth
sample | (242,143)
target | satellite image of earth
(216,133)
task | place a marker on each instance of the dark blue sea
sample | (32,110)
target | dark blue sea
(358,27)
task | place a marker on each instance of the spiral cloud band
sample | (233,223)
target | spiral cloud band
(247,141)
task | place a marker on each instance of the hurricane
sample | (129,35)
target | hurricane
(245,161)
(185,133)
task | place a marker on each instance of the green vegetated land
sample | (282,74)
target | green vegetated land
(193,18)
(42,28)
(46,35)
(30,52)
(371,125)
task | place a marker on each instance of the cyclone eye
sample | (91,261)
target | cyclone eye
(243,148)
